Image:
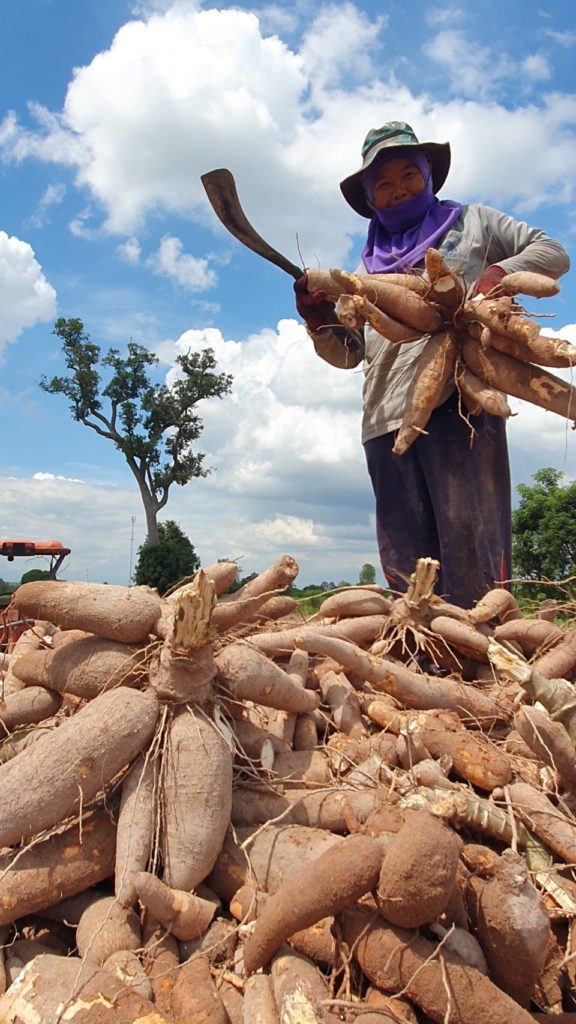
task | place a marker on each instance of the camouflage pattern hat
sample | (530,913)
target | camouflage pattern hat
(393,135)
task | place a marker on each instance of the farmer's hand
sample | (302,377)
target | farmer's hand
(314,307)
(490,282)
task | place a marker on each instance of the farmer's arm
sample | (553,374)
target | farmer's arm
(515,245)
(341,348)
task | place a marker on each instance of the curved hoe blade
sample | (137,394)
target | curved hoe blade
(221,191)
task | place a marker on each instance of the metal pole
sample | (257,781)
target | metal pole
(132,520)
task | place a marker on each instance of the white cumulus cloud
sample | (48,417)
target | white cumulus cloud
(26,297)
(190,272)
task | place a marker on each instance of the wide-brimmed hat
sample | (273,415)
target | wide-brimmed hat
(393,135)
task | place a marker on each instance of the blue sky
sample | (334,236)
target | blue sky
(109,114)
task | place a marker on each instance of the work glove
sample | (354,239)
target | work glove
(313,307)
(489,282)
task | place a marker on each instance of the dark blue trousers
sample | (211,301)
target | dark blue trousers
(447,497)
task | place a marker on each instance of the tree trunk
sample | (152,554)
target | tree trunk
(150,511)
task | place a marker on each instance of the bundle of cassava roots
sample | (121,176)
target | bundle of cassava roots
(488,346)
(215,809)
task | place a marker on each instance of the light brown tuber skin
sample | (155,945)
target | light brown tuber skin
(277,576)
(464,637)
(128,968)
(478,396)
(259,1002)
(419,871)
(397,960)
(194,998)
(300,989)
(355,601)
(135,827)
(301,769)
(411,689)
(550,742)
(127,614)
(529,633)
(495,604)
(435,368)
(58,988)
(360,629)
(196,793)
(322,280)
(501,316)
(559,663)
(343,701)
(185,915)
(526,282)
(545,820)
(513,928)
(104,928)
(85,666)
(317,809)
(27,707)
(249,675)
(74,762)
(522,380)
(354,310)
(161,962)
(326,885)
(445,288)
(553,352)
(274,854)
(403,305)
(60,867)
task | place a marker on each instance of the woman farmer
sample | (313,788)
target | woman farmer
(448,495)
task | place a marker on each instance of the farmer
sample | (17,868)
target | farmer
(448,495)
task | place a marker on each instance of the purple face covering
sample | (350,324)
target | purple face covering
(399,236)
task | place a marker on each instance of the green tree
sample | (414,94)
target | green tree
(367,574)
(164,564)
(153,425)
(544,530)
(35,574)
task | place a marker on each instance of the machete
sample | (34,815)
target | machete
(221,191)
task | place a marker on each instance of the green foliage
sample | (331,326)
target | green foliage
(153,425)
(164,564)
(35,574)
(367,575)
(544,535)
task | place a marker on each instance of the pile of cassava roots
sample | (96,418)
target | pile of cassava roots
(215,809)
(486,345)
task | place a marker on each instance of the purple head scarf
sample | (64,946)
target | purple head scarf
(399,236)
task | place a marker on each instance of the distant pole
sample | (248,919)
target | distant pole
(132,520)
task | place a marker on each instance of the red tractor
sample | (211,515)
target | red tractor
(10,626)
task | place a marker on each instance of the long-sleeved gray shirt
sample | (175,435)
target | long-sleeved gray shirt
(479,238)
